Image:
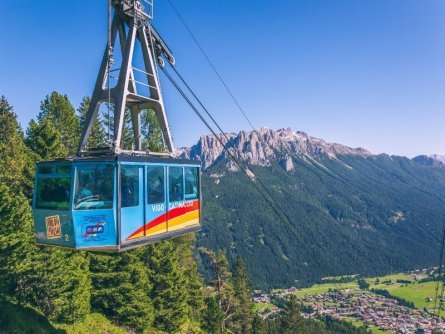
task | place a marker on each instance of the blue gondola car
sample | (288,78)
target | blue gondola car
(115,203)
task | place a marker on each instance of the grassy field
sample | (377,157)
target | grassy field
(260,306)
(393,278)
(417,293)
(93,323)
(323,288)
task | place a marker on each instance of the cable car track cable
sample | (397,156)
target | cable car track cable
(190,103)
(286,220)
(221,79)
(235,100)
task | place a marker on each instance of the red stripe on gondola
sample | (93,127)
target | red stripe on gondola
(173,213)
(176,212)
(159,220)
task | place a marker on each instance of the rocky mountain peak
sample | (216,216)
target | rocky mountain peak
(432,160)
(265,146)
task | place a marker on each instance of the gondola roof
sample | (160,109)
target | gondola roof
(125,158)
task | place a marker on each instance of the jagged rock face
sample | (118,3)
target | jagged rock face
(287,164)
(263,147)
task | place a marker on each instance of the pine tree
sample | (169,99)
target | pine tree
(212,316)
(15,245)
(153,139)
(185,246)
(169,292)
(121,288)
(258,325)
(291,321)
(242,320)
(127,140)
(58,110)
(63,285)
(58,283)
(98,137)
(52,280)
(222,284)
(44,140)
(16,164)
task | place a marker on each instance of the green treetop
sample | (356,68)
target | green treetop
(169,292)
(98,137)
(291,321)
(58,110)
(16,165)
(121,288)
(243,295)
(45,140)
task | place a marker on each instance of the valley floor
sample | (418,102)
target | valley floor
(407,306)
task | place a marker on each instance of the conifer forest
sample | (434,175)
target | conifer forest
(152,289)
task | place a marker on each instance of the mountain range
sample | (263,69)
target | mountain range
(341,210)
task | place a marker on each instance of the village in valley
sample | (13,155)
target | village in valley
(401,303)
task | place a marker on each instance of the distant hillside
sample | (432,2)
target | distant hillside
(356,212)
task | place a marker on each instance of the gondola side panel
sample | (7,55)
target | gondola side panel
(156,207)
(53,223)
(54,227)
(95,219)
(183,198)
(131,202)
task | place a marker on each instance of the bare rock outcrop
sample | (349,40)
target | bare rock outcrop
(264,147)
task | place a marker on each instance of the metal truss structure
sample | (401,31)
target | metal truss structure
(131,22)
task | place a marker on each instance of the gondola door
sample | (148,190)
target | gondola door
(156,207)
(131,203)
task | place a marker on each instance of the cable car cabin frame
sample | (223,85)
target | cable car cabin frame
(115,203)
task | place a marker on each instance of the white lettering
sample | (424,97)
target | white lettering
(180,205)
(158,207)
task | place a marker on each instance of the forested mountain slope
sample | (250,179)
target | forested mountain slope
(355,212)
(152,289)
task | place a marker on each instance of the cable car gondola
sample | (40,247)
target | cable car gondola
(116,203)
(120,199)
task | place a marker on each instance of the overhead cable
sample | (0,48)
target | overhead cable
(281,212)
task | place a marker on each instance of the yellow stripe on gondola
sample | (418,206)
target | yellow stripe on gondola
(161,228)
(185,220)
(177,223)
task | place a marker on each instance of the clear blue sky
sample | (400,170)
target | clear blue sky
(367,73)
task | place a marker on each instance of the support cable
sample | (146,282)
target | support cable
(219,128)
(201,117)
(223,82)
(229,91)
(290,153)
(109,60)
(235,100)
(209,61)
(282,215)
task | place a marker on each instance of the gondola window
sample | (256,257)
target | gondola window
(94,187)
(176,184)
(155,185)
(191,183)
(130,186)
(53,193)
